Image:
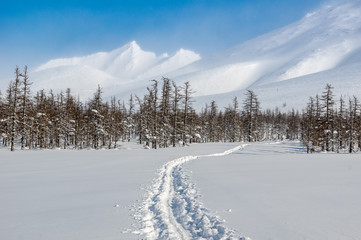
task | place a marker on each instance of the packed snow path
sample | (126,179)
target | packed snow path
(172,211)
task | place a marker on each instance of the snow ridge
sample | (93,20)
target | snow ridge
(172,211)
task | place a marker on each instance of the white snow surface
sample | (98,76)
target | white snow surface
(323,47)
(172,211)
(267,190)
(276,191)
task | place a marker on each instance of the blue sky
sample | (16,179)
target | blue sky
(32,32)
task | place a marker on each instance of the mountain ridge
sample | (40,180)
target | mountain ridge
(118,67)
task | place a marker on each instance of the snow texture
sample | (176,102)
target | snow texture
(172,209)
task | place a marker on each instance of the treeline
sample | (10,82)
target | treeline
(327,126)
(164,117)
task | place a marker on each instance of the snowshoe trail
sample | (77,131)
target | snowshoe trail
(172,209)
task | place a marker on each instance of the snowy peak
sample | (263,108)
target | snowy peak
(129,57)
(167,65)
(128,63)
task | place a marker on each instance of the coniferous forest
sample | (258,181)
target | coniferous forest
(164,117)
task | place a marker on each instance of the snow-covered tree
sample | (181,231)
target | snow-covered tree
(251,112)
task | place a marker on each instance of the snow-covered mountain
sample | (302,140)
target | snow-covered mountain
(284,67)
(290,64)
(125,66)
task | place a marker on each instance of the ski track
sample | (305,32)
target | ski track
(172,209)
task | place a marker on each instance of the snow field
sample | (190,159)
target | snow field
(88,194)
(172,209)
(262,190)
(276,191)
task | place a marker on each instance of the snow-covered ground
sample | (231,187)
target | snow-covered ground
(275,191)
(259,191)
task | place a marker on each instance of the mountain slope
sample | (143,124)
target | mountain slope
(295,93)
(325,39)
